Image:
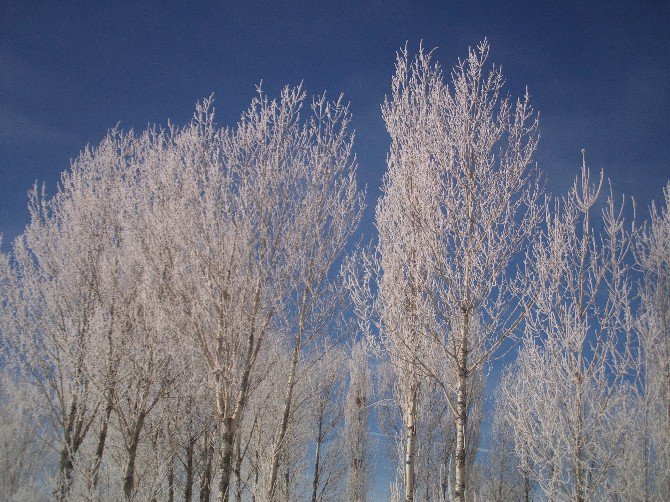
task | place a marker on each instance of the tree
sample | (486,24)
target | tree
(573,372)
(459,202)
(327,214)
(356,430)
(62,313)
(181,251)
(22,460)
(653,258)
(503,478)
(251,221)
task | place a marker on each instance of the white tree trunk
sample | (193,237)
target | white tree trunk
(410,450)
(461,410)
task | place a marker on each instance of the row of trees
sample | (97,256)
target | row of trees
(176,315)
(181,321)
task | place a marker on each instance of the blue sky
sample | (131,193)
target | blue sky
(599,73)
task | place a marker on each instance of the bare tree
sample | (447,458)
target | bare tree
(459,202)
(653,258)
(248,223)
(63,315)
(356,430)
(23,459)
(572,372)
(326,216)
(503,477)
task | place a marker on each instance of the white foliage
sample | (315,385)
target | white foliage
(572,375)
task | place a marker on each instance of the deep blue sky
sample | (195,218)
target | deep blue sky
(599,74)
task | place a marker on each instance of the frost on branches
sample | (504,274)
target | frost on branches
(459,203)
(568,389)
(182,319)
(172,305)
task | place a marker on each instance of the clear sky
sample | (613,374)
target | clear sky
(598,72)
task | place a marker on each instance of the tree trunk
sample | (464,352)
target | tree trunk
(356,495)
(287,478)
(461,410)
(65,473)
(170,480)
(283,429)
(129,476)
(526,488)
(206,479)
(226,459)
(102,439)
(645,451)
(579,471)
(230,422)
(410,449)
(256,468)
(67,453)
(317,459)
(238,468)
(188,489)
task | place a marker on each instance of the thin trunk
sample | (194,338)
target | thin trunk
(238,468)
(501,482)
(283,428)
(257,467)
(65,473)
(579,471)
(67,464)
(317,459)
(461,410)
(206,479)
(357,481)
(288,401)
(129,476)
(109,407)
(446,472)
(170,481)
(526,488)
(427,485)
(188,489)
(225,459)
(410,449)
(230,422)
(645,452)
(67,453)
(287,478)
(102,439)
(358,454)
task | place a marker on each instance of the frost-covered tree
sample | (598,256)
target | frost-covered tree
(181,253)
(356,431)
(502,476)
(571,378)
(23,458)
(63,312)
(325,215)
(251,221)
(653,257)
(459,202)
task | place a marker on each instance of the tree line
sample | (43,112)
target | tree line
(187,317)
